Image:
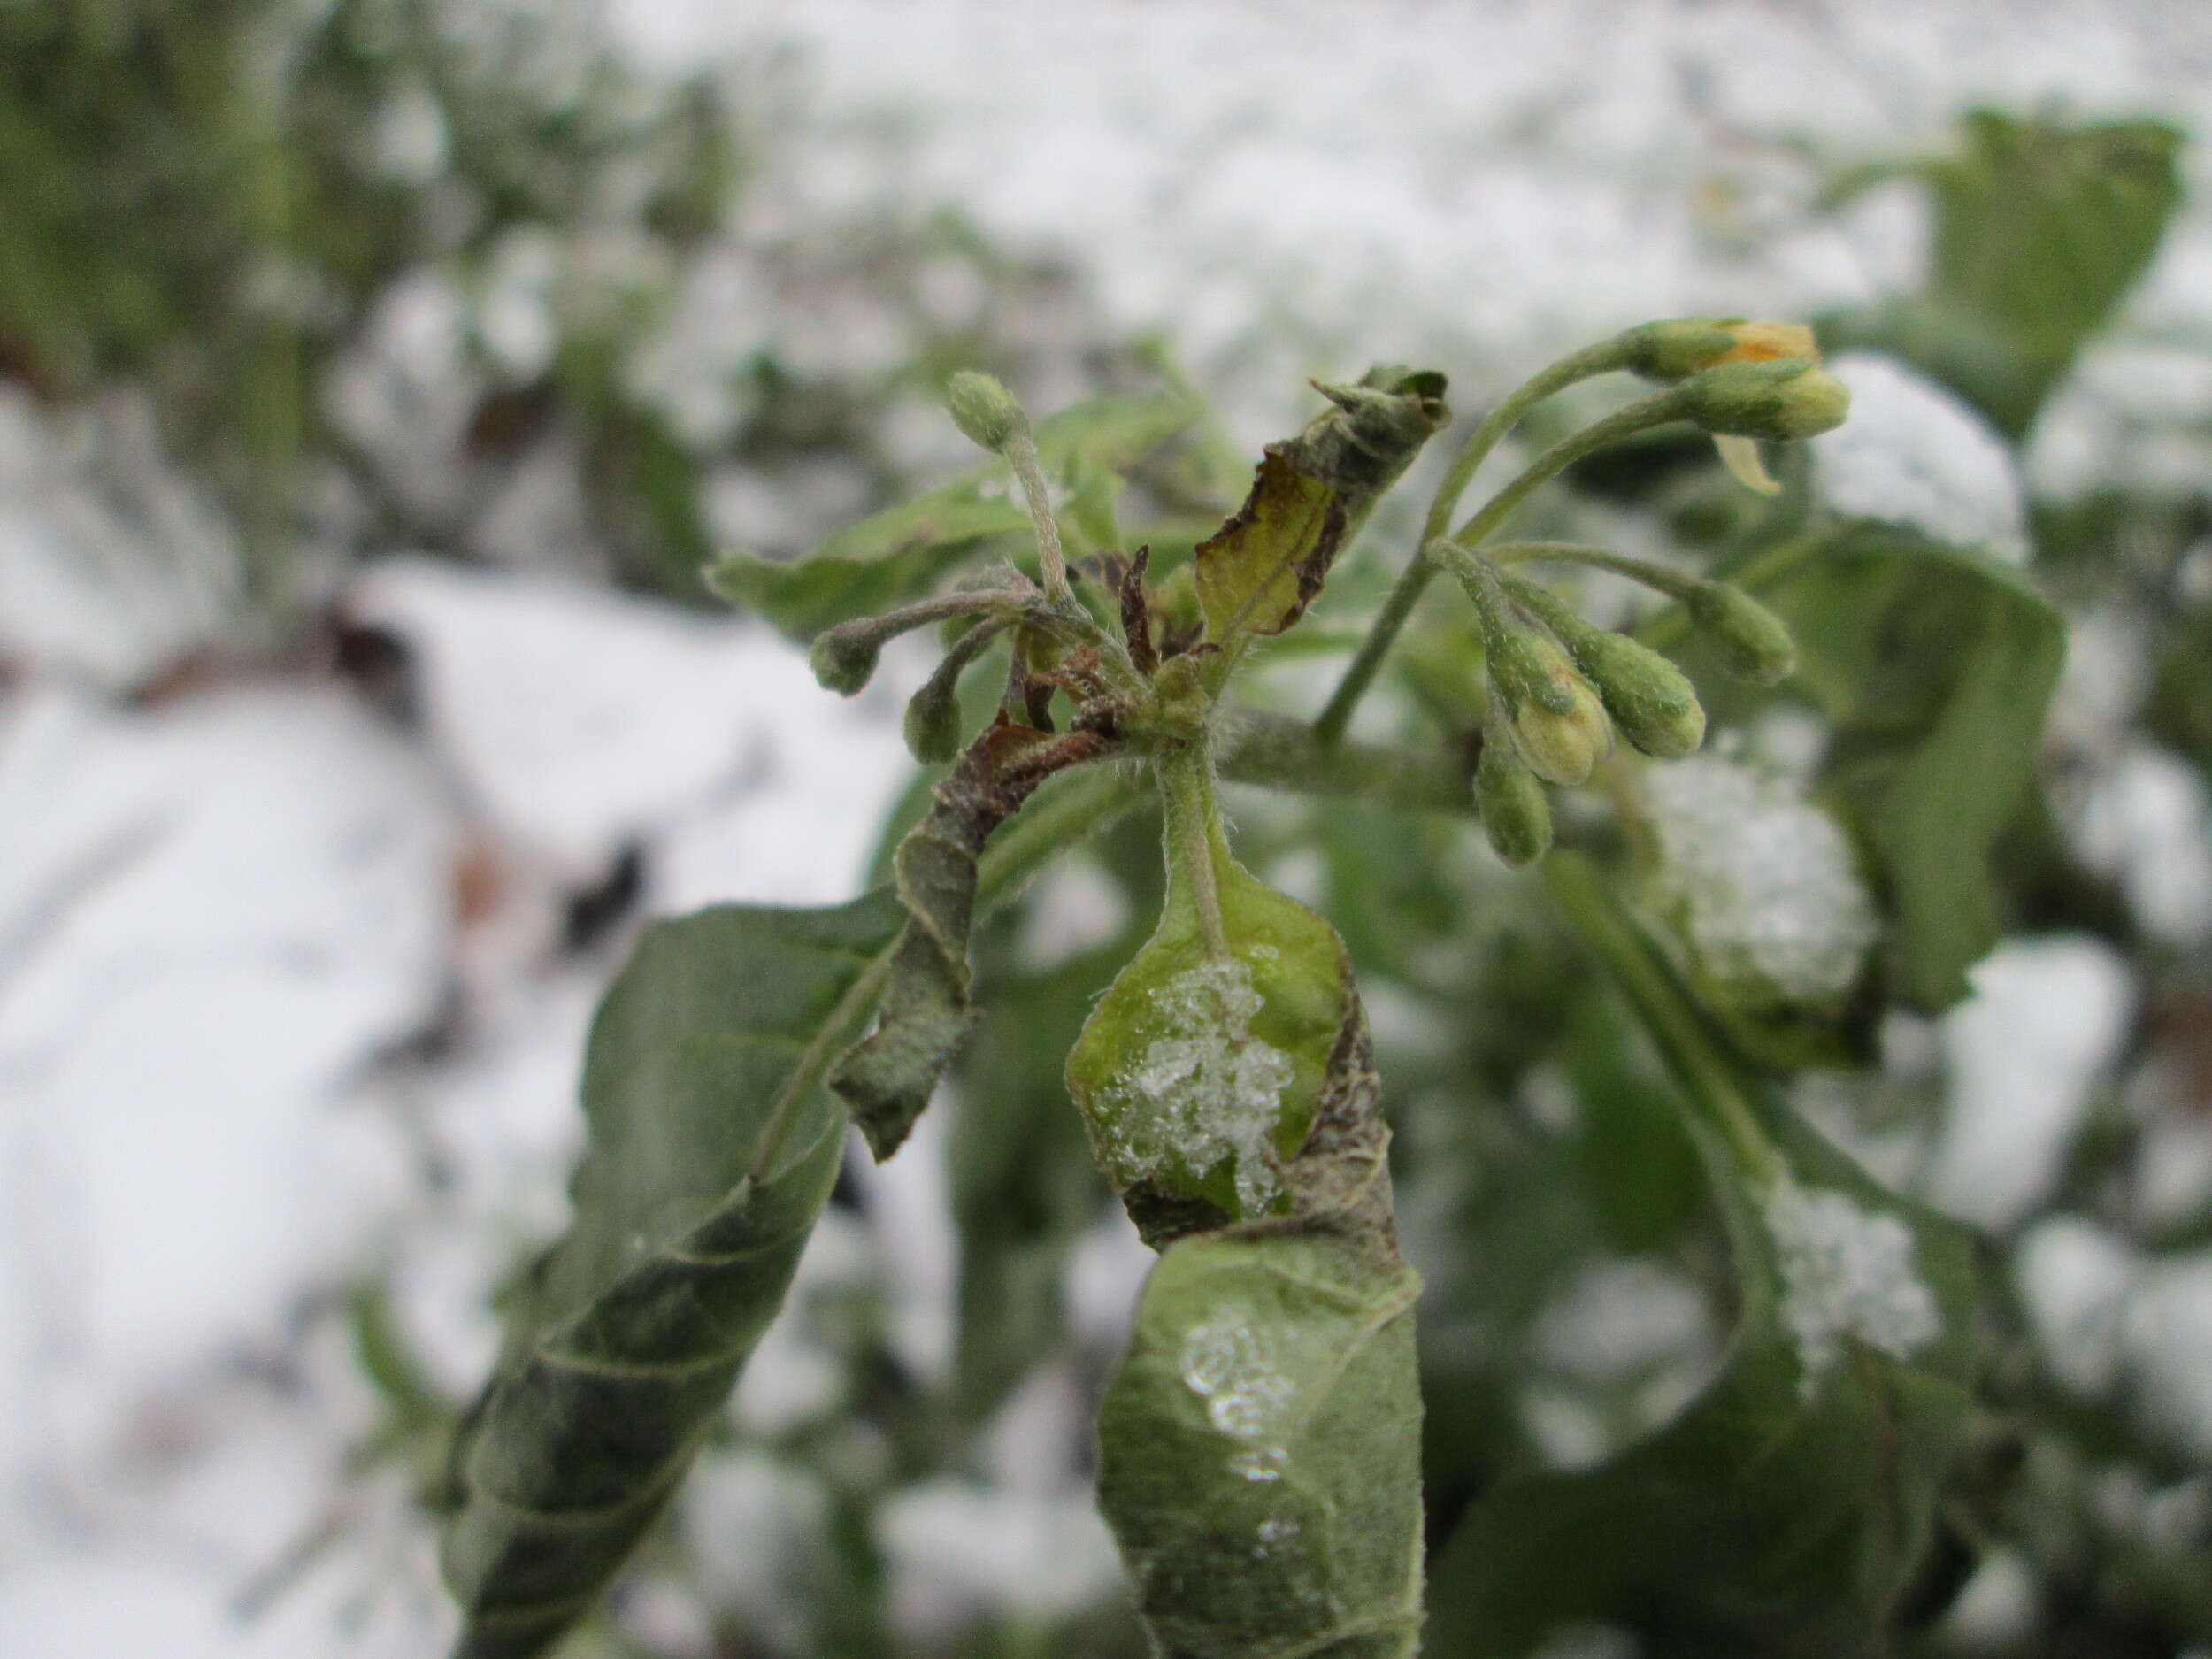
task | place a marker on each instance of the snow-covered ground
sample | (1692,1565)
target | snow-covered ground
(236,918)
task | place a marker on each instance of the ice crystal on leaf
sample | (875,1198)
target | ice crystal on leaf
(1846,1272)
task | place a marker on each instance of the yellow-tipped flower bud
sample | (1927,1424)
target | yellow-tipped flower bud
(1516,816)
(983,409)
(1683,346)
(1558,721)
(1787,398)
(1753,641)
(1650,700)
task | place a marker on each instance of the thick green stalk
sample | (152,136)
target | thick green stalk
(1666,1011)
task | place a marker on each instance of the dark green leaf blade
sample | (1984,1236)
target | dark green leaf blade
(893,556)
(1937,667)
(713,1149)
(1783,1512)
(2040,228)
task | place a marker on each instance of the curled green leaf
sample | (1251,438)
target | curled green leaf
(1260,571)
(1260,1449)
(1200,1071)
(887,1076)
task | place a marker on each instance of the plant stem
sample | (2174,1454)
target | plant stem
(1195,839)
(1279,752)
(1708,1078)
(1601,358)
(1021,454)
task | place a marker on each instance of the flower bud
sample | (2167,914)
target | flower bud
(1516,816)
(1561,732)
(1683,346)
(843,657)
(1649,699)
(983,409)
(933,721)
(1753,643)
(1787,398)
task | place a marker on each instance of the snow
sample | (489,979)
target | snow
(1912,454)
(112,563)
(1848,1272)
(1226,1363)
(1763,884)
(2025,1053)
(958,1549)
(1205,1089)
(574,721)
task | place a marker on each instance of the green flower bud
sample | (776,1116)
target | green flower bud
(1557,719)
(1679,347)
(1650,700)
(844,657)
(983,409)
(1753,643)
(1787,398)
(1516,816)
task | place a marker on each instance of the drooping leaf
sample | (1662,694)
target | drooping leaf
(1783,1511)
(1260,1446)
(713,1149)
(1310,495)
(1260,1449)
(2040,228)
(893,556)
(887,1076)
(1936,667)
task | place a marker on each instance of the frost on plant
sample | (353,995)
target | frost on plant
(1846,1272)
(1222,1363)
(1761,883)
(1209,1088)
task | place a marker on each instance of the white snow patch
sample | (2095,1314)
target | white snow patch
(112,564)
(1072,908)
(2170,1333)
(576,719)
(2075,1278)
(2023,1055)
(1846,1272)
(957,1551)
(210,916)
(1762,882)
(1912,454)
(2146,818)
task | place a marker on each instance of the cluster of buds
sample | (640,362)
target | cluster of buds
(1560,688)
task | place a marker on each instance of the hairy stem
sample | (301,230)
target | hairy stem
(1021,454)
(1279,752)
(1601,358)
(1194,836)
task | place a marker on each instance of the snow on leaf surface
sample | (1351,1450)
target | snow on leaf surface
(1914,454)
(1762,882)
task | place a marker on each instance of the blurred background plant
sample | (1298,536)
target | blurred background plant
(375,377)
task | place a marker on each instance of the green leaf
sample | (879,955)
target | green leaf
(1260,1449)
(893,557)
(1199,1077)
(1311,493)
(1783,1512)
(1936,667)
(2040,229)
(713,1149)
(887,1077)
